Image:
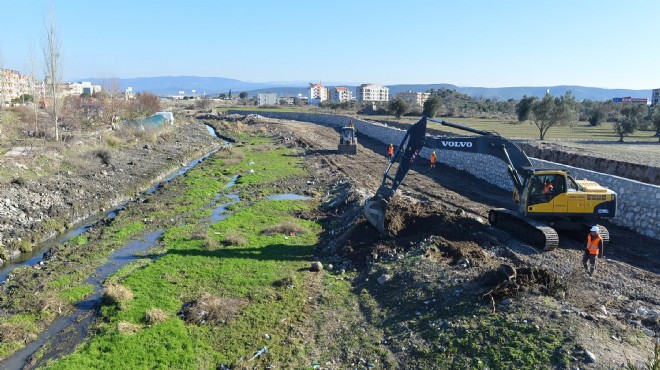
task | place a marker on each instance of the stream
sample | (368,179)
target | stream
(36,255)
(68,331)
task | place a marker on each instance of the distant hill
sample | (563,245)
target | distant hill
(171,85)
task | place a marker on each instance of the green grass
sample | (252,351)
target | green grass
(187,270)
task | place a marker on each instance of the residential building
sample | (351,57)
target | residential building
(340,94)
(414,98)
(317,92)
(373,93)
(79,88)
(267,99)
(655,97)
(13,85)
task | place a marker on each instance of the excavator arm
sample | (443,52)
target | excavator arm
(490,143)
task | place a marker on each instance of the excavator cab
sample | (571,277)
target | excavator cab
(347,140)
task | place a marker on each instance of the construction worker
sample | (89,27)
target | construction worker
(547,189)
(434,158)
(390,151)
(594,248)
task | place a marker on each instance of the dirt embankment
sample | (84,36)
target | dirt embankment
(443,215)
(90,176)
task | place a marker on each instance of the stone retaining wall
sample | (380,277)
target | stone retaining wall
(637,201)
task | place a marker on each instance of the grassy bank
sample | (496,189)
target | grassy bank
(248,272)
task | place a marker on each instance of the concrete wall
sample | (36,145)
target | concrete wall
(638,202)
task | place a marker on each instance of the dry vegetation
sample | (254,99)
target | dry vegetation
(116,294)
(209,309)
(285,228)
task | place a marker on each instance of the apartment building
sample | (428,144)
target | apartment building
(655,97)
(317,93)
(340,94)
(414,98)
(267,99)
(373,93)
(13,85)
(79,88)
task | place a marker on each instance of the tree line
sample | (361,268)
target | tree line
(544,113)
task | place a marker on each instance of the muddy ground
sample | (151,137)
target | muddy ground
(443,213)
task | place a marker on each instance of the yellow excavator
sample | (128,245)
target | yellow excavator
(547,199)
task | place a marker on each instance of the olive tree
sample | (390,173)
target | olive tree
(524,108)
(398,107)
(549,112)
(629,119)
(431,106)
(656,121)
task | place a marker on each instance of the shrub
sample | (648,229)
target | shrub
(104,156)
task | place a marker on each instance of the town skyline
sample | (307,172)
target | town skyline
(478,43)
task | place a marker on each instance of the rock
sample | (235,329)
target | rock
(591,358)
(330,266)
(384,279)
(316,266)
(642,311)
(602,309)
(648,332)
(506,302)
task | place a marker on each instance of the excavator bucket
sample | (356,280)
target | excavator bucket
(374,210)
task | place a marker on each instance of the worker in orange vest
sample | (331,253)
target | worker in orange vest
(390,151)
(594,248)
(547,189)
(434,158)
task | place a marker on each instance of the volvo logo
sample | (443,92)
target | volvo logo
(457,144)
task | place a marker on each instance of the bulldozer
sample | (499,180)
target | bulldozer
(347,140)
(546,199)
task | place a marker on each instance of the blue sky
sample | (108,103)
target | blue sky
(597,43)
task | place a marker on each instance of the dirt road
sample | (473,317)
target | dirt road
(622,297)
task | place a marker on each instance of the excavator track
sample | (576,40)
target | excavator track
(537,233)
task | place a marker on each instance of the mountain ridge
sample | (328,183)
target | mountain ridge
(172,85)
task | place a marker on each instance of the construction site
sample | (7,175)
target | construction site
(437,287)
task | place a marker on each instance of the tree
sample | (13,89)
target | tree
(147,104)
(628,121)
(114,99)
(431,106)
(52,59)
(597,116)
(524,108)
(398,107)
(549,112)
(243,95)
(222,96)
(656,121)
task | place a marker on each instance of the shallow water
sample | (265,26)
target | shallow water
(288,197)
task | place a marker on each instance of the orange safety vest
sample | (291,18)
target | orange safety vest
(433,158)
(390,150)
(592,245)
(548,188)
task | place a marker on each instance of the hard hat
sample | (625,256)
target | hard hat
(594,229)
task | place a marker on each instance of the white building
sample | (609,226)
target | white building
(267,99)
(79,88)
(415,98)
(373,93)
(340,94)
(318,92)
